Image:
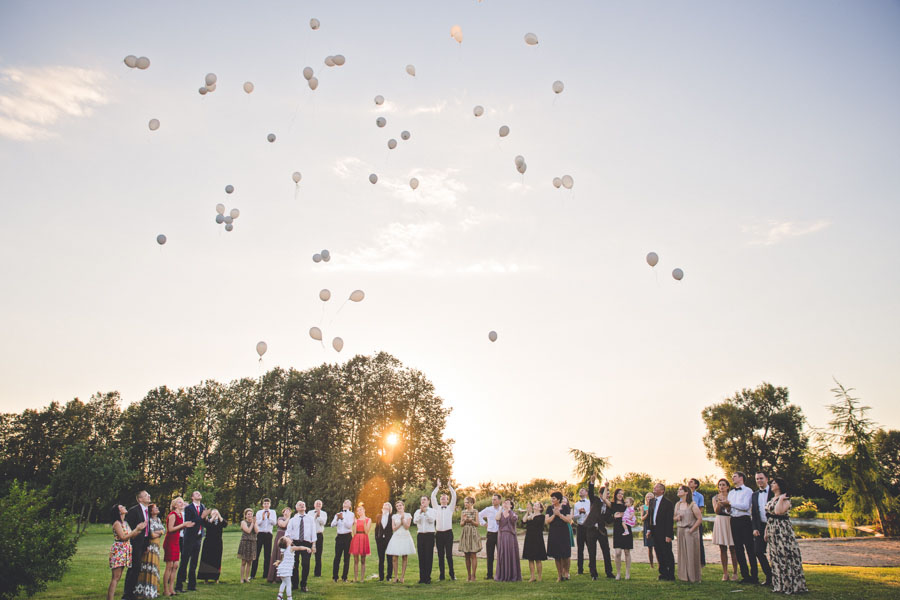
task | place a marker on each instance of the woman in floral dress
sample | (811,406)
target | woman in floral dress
(120,551)
(784,552)
(148,579)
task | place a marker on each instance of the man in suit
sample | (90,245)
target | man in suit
(301,530)
(595,529)
(758,519)
(662,517)
(193,536)
(383,532)
(740,498)
(139,513)
(321,518)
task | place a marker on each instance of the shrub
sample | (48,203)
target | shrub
(807,510)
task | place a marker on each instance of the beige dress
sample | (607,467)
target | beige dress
(688,543)
(721,535)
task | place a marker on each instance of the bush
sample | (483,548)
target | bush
(807,510)
(36,542)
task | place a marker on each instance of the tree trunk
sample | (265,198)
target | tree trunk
(87,519)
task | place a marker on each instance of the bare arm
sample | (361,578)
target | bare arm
(696,510)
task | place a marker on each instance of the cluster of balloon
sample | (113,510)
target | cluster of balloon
(520,164)
(261,348)
(531,39)
(161,240)
(325,295)
(337,60)
(133,62)
(653,260)
(492,336)
(228,219)
(318,257)
(411,70)
(210,84)
(310,79)
(456,33)
(565,181)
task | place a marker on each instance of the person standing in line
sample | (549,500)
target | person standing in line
(359,545)
(137,514)
(662,514)
(509,568)
(401,543)
(787,565)
(721,535)
(565,502)
(211,555)
(598,517)
(579,514)
(343,522)
(266,520)
(301,531)
(321,519)
(469,540)
(443,536)
(383,533)
(148,579)
(534,549)
(758,521)
(425,518)
(689,520)
(247,546)
(194,512)
(488,516)
(694,484)
(558,546)
(283,520)
(175,526)
(121,555)
(645,520)
(741,499)
(622,540)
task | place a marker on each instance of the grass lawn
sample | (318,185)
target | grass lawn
(88,577)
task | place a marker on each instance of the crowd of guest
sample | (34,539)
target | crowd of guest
(752,527)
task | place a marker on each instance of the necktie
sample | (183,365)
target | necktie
(302,527)
(147,521)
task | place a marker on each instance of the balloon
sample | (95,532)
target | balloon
(313,83)
(154,124)
(652,259)
(211,79)
(326,255)
(411,69)
(271,137)
(220,208)
(228,219)
(456,33)
(228,226)
(373,178)
(557,87)
(557,182)
(324,295)
(338,344)
(339,60)
(317,258)
(211,88)
(160,239)
(381,121)
(379,100)
(531,39)
(357,296)
(315,333)
(229,189)
(307,73)
(492,336)
(261,348)
(521,168)
(314,24)
(413,183)
(329,61)
(234,213)
(131,61)
(404,135)
(504,131)
(392,143)
(248,86)
(520,160)
(203,90)
(296,176)
(142,63)
(677,274)
(568,182)
(478,110)
(220,219)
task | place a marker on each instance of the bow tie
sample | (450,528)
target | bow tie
(739,488)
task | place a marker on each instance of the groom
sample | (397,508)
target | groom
(758,519)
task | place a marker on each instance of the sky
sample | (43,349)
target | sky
(753,145)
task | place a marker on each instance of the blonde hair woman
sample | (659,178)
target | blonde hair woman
(359,545)
(171,546)
(247,548)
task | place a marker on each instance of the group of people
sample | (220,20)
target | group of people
(753,527)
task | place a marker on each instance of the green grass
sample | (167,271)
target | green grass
(88,577)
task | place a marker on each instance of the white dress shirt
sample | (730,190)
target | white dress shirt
(301,528)
(656,509)
(320,520)
(740,499)
(584,503)
(763,498)
(345,524)
(385,518)
(444,513)
(489,515)
(292,530)
(425,520)
(265,520)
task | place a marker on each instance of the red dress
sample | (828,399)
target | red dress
(360,542)
(171,545)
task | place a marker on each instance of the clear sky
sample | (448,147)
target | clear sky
(754,145)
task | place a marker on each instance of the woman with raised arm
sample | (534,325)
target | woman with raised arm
(120,552)
(247,546)
(172,544)
(721,535)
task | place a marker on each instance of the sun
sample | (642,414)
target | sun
(392,439)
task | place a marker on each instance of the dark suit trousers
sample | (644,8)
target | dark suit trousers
(444,541)
(595,536)
(742,532)
(382,544)
(664,556)
(190,554)
(425,550)
(581,541)
(264,545)
(341,548)
(491,548)
(759,546)
(301,557)
(138,545)
(320,545)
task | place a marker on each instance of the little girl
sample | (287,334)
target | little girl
(285,566)
(628,518)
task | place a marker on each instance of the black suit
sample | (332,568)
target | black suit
(595,531)
(190,552)
(759,542)
(134,517)
(660,528)
(382,537)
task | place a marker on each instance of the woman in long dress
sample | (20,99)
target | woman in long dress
(272,576)
(401,543)
(211,557)
(247,546)
(534,550)
(558,547)
(359,545)
(689,519)
(721,535)
(784,552)
(621,541)
(120,551)
(508,566)
(645,523)
(469,540)
(148,579)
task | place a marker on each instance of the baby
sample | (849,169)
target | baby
(628,518)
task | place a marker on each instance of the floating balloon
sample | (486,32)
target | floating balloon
(142,63)
(492,336)
(220,208)
(220,219)
(271,137)
(261,348)
(203,90)
(478,110)
(234,213)
(652,259)
(337,343)
(325,295)
(154,124)
(307,73)
(522,168)
(230,188)
(248,86)
(131,61)
(161,239)
(317,258)
(211,79)
(557,182)
(677,274)
(339,60)
(228,219)
(228,226)
(504,131)
(456,33)
(392,143)
(568,182)
(313,83)
(519,160)
(357,296)
(379,100)
(329,61)
(381,121)
(314,24)
(373,178)
(326,255)
(558,87)
(411,69)
(211,88)
(404,135)
(296,176)
(315,333)
(531,39)
(413,183)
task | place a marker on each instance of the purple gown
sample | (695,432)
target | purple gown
(508,566)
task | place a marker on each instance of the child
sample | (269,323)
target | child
(285,566)
(628,518)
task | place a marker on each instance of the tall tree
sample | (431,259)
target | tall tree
(887,452)
(588,464)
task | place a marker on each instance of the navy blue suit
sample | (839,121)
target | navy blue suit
(190,550)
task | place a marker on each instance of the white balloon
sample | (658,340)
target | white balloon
(228,219)
(411,69)
(392,143)
(142,63)
(456,33)
(520,160)
(504,131)
(380,121)
(379,100)
(261,348)
(314,24)
(315,333)
(313,83)
(160,239)
(326,255)
(234,213)
(248,86)
(558,87)
(373,178)
(220,208)
(531,39)
(557,182)
(131,61)
(296,176)
(203,90)
(652,259)
(307,73)
(228,226)
(211,88)
(329,61)
(568,182)
(478,110)
(337,343)
(413,183)
(521,169)
(492,336)
(677,274)
(229,189)
(317,258)
(325,295)
(271,137)
(154,124)
(339,60)
(404,135)
(211,79)
(220,219)
(357,296)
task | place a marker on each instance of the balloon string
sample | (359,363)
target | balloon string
(338,312)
